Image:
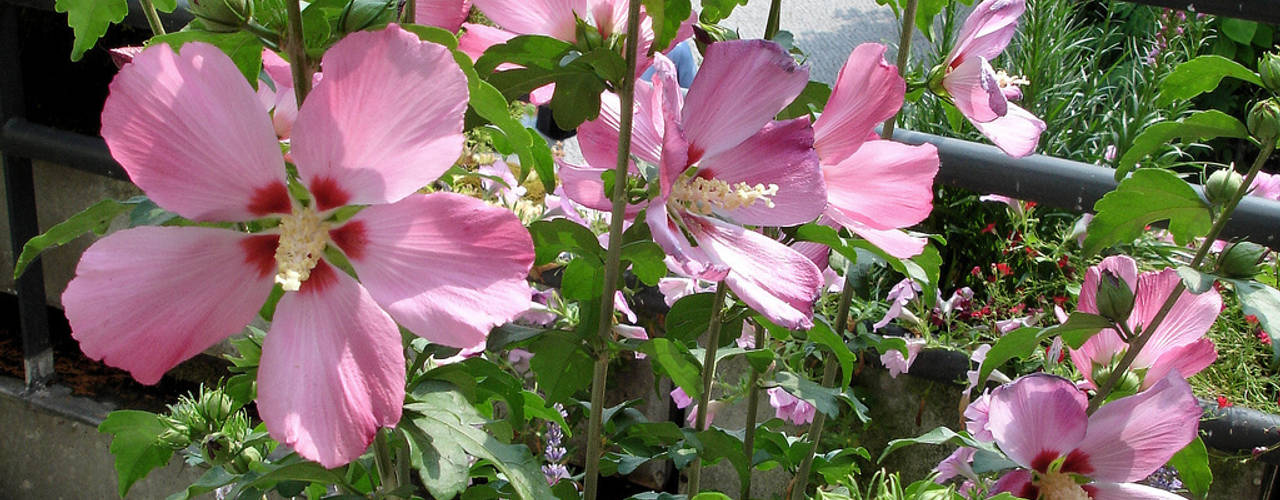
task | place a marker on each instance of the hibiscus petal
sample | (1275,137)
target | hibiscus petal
(192,133)
(599,138)
(867,91)
(987,30)
(1187,360)
(682,257)
(445,14)
(1016,482)
(716,115)
(893,241)
(385,121)
(975,90)
(478,38)
(1035,415)
(1187,322)
(1128,491)
(884,185)
(1131,437)
(448,267)
(554,18)
(771,278)
(1016,133)
(780,154)
(145,299)
(332,369)
(1123,266)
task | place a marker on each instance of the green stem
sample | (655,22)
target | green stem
(801,481)
(1126,333)
(410,11)
(153,19)
(1268,146)
(386,466)
(269,38)
(775,18)
(708,376)
(613,259)
(904,53)
(297,51)
(753,400)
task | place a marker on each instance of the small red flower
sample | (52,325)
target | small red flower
(1223,402)
(976,272)
(1029,204)
(1060,299)
(1253,320)
(1031,252)
(1003,269)
(1062,263)
(1263,337)
(991,228)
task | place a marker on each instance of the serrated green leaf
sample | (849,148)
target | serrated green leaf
(295,468)
(94,219)
(714,11)
(444,469)
(822,398)
(926,10)
(810,101)
(667,15)
(1078,328)
(646,259)
(715,444)
(675,360)
(89,19)
(136,445)
(165,5)
(1192,464)
(583,279)
(938,435)
(1196,281)
(550,238)
(1148,196)
(1200,75)
(1019,343)
(559,363)
(1198,126)
(823,334)
(689,317)
(212,479)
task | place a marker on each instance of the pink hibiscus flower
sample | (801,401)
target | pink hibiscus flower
(790,408)
(1039,421)
(896,363)
(190,132)
(874,187)
(445,14)
(722,162)
(980,93)
(1179,343)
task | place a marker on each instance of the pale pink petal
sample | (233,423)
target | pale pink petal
(554,18)
(1187,360)
(609,16)
(900,295)
(1037,414)
(332,369)
(1131,437)
(987,30)
(683,257)
(121,56)
(768,276)
(632,332)
(1016,133)
(478,38)
(718,114)
(896,363)
(958,463)
(1187,322)
(365,135)
(1017,482)
(446,14)
(713,407)
(148,298)
(542,95)
(1014,205)
(278,69)
(680,398)
(446,266)
(674,289)
(599,138)
(818,253)
(1266,186)
(884,185)
(285,112)
(1123,266)
(620,305)
(584,185)
(192,133)
(977,414)
(893,241)
(976,91)
(867,91)
(779,154)
(1128,491)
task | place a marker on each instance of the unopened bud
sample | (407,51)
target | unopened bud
(1269,70)
(222,16)
(1222,186)
(1241,260)
(1115,298)
(587,35)
(1264,120)
(360,15)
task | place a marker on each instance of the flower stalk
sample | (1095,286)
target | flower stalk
(753,401)
(410,11)
(1268,147)
(613,258)
(153,19)
(771,26)
(297,50)
(708,376)
(386,465)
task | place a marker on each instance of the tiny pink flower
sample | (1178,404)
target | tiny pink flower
(790,408)
(681,398)
(899,296)
(896,363)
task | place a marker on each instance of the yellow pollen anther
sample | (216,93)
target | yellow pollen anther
(1060,486)
(302,239)
(703,195)
(1005,80)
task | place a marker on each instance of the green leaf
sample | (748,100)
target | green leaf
(675,360)
(537,407)
(926,10)
(715,444)
(244,49)
(89,19)
(212,479)
(689,317)
(579,78)
(510,333)
(810,101)
(560,364)
(1263,302)
(714,11)
(1019,343)
(667,14)
(135,442)
(1078,328)
(938,435)
(583,279)
(1149,195)
(1196,281)
(822,398)
(711,495)
(96,219)
(165,5)
(1198,126)
(823,334)
(295,468)
(1238,30)
(1200,75)
(1192,463)
(646,259)
(439,411)
(445,469)
(552,237)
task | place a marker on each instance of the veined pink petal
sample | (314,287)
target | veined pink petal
(332,369)
(717,116)
(609,16)
(779,154)
(1187,322)
(895,242)
(896,363)
(1017,482)
(478,38)
(768,276)
(884,185)
(584,185)
(1187,360)
(1131,437)
(278,69)
(682,257)
(867,92)
(987,30)
(445,14)
(1016,133)
(147,298)
(599,138)
(554,18)
(978,413)
(1036,415)
(191,133)
(976,91)
(446,266)
(363,136)
(680,398)
(958,463)
(818,253)
(1123,266)
(1128,491)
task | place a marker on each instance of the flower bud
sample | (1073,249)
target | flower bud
(360,15)
(588,36)
(1222,186)
(1264,120)
(1241,260)
(1115,298)
(222,16)
(1269,70)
